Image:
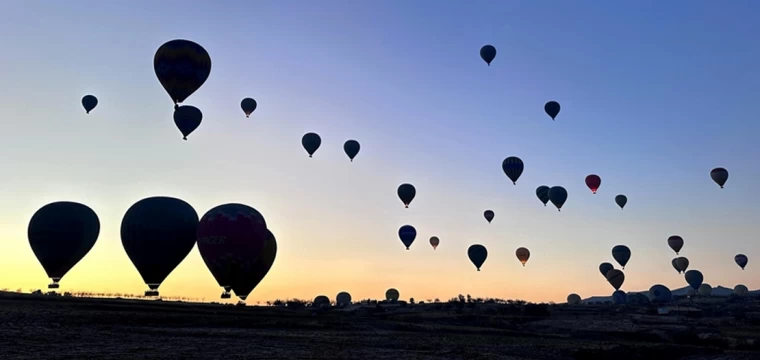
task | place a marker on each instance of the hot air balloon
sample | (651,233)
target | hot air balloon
(616,278)
(682,263)
(488,53)
(488,214)
(621,254)
(573,299)
(157,233)
(676,243)
(542,192)
(694,278)
(89,102)
(619,297)
(741,260)
(621,200)
(434,241)
(187,118)
(675,266)
(391,295)
(231,237)
(593,182)
(61,234)
(406,192)
(523,255)
(720,176)
(477,254)
(351,147)
(321,301)
(604,268)
(705,289)
(311,143)
(248,278)
(513,167)
(343,299)
(552,109)
(407,234)
(181,66)
(558,196)
(660,294)
(249,106)
(741,290)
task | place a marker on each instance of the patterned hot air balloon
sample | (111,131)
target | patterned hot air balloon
(513,167)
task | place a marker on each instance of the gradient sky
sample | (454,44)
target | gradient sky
(654,94)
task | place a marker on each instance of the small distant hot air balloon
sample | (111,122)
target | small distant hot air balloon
(89,102)
(249,106)
(181,66)
(523,255)
(593,182)
(694,278)
(488,53)
(406,192)
(321,301)
(682,263)
(740,290)
(343,299)
(720,176)
(552,109)
(621,200)
(676,243)
(311,142)
(407,234)
(391,295)
(573,299)
(477,254)
(604,268)
(558,196)
(741,260)
(187,118)
(513,167)
(434,241)
(621,254)
(616,278)
(705,289)
(351,147)
(488,214)
(542,192)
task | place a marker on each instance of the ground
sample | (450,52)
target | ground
(43,327)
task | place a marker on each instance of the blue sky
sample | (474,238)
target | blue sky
(654,95)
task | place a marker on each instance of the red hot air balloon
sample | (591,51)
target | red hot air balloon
(593,182)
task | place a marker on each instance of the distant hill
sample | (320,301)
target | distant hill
(718,291)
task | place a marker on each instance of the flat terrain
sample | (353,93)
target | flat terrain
(43,327)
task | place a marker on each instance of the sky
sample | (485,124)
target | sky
(654,95)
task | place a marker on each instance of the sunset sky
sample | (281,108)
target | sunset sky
(654,95)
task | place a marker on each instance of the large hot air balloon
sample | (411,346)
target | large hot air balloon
(181,66)
(89,102)
(343,299)
(513,167)
(311,142)
(740,290)
(573,299)
(593,182)
(61,234)
(244,281)
(434,241)
(705,289)
(621,254)
(231,237)
(619,297)
(488,53)
(660,294)
(552,109)
(741,260)
(604,268)
(523,255)
(621,200)
(477,254)
(407,234)
(542,192)
(720,176)
(694,278)
(558,196)
(391,295)
(187,118)
(406,192)
(321,301)
(157,233)
(682,263)
(249,106)
(488,214)
(351,147)
(676,243)
(616,278)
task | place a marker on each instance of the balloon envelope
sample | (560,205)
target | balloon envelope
(89,102)
(391,295)
(249,106)
(621,200)
(488,214)
(523,255)
(552,109)
(593,182)
(621,254)
(488,53)
(477,254)
(676,243)
(406,192)
(311,142)
(61,234)
(407,234)
(741,290)
(705,290)
(321,301)
(351,148)
(694,278)
(619,297)
(682,263)
(542,192)
(434,242)
(573,299)
(741,260)
(187,118)
(720,176)
(248,278)
(513,167)
(660,294)
(157,234)
(616,278)
(181,66)
(604,268)
(558,196)
(343,299)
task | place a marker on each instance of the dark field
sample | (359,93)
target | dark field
(41,327)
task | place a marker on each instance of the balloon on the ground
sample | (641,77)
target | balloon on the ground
(720,176)
(391,294)
(619,297)
(741,290)
(434,241)
(616,278)
(558,196)
(660,294)
(321,301)
(523,255)
(181,66)
(694,278)
(311,142)
(89,102)
(249,106)
(187,118)
(343,299)
(249,277)
(351,148)
(741,260)
(604,268)
(676,243)
(488,53)
(593,182)
(705,289)
(406,192)
(513,167)
(542,192)
(477,254)
(573,299)
(552,109)
(407,234)
(621,200)
(488,214)
(621,254)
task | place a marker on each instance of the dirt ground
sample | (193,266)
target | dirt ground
(73,328)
